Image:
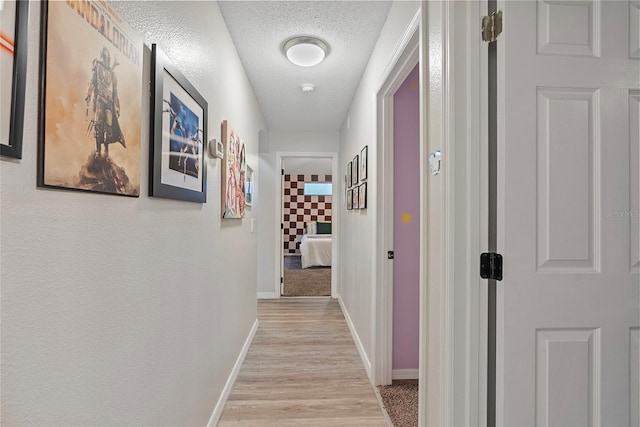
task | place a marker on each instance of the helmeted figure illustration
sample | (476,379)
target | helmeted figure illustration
(103,91)
(189,145)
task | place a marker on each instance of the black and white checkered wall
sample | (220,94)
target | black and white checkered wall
(300,209)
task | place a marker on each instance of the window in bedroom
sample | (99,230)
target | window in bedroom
(318,188)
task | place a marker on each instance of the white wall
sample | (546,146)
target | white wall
(106,318)
(357,240)
(307,166)
(268,235)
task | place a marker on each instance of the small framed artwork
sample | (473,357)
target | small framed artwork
(90,99)
(364,154)
(248,187)
(356,198)
(178,131)
(13,69)
(349,174)
(350,199)
(233,173)
(354,171)
(362,196)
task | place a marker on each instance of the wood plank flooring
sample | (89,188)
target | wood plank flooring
(302,369)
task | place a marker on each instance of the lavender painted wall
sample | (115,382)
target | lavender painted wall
(406,267)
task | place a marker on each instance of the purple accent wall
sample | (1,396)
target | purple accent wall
(406,226)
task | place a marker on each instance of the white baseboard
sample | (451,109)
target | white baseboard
(356,338)
(405,374)
(217,412)
(268,295)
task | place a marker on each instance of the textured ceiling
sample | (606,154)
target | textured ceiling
(259,28)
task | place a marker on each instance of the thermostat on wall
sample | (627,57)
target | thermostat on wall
(216,149)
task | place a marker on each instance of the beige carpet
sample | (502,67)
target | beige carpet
(309,282)
(401,402)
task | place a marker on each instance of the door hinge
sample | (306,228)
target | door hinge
(281,280)
(281,226)
(491,266)
(491,27)
(282,172)
(391,255)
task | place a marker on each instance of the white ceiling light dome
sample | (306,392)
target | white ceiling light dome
(307,87)
(305,51)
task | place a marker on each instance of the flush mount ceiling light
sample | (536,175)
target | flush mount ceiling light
(307,88)
(305,51)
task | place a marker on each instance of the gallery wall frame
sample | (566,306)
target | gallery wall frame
(356,198)
(13,76)
(362,196)
(178,134)
(349,175)
(354,170)
(350,199)
(233,173)
(90,100)
(364,154)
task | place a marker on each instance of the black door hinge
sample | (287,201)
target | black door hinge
(281,280)
(491,266)
(281,226)
(390,255)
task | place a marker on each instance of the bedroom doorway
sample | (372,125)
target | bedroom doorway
(307,246)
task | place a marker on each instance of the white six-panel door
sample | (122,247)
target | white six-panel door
(568,215)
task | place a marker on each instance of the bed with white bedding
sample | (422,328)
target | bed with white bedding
(316,250)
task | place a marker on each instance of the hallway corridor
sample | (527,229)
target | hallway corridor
(302,369)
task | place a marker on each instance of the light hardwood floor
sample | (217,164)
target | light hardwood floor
(302,369)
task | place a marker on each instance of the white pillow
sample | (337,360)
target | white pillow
(312,227)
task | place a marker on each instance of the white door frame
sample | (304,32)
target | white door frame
(403,61)
(335,223)
(453,220)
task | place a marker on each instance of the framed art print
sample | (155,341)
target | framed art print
(354,171)
(90,99)
(356,198)
(350,199)
(178,132)
(233,173)
(13,69)
(349,175)
(362,196)
(363,162)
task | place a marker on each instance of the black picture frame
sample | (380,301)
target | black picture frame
(364,155)
(362,196)
(13,147)
(162,175)
(354,171)
(71,115)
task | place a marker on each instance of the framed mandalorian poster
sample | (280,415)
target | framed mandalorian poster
(90,99)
